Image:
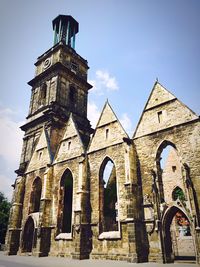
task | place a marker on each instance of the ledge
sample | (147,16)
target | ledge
(110,235)
(127,183)
(14,229)
(82,192)
(127,220)
(64,236)
(17,204)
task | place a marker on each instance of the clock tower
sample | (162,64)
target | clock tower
(59,88)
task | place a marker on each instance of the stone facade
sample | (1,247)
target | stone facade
(65,203)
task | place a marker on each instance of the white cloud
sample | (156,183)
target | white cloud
(10,136)
(93,113)
(107,80)
(5,186)
(103,81)
(126,123)
(10,148)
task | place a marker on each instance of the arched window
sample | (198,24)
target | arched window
(108,197)
(168,170)
(66,198)
(178,194)
(35,195)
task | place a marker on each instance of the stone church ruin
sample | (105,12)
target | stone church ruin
(99,194)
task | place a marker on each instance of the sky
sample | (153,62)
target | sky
(128,44)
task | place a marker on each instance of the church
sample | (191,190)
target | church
(97,193)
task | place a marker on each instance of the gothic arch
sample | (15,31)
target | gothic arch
(178,193)
(162,146)
(65,202)
(108,197)
(104,163)
(169,252)
(35,196)
(164,173)
(28,235)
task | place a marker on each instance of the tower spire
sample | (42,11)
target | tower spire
(65,30)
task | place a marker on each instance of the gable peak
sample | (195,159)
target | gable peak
(107,115)
(159,95)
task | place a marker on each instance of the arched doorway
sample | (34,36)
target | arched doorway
(28,235)
(108,197)
(177,236)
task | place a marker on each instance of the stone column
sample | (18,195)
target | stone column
(81,222)
(14,228)
(45,219)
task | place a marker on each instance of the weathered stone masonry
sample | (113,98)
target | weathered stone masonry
(66,200)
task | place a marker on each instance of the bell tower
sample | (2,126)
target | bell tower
(59,88)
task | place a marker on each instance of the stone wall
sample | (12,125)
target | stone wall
(186,140)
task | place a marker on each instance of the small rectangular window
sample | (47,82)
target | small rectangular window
(69,145)
(74,67)
(160,116)
(39,154)
(173,168)
(107,132)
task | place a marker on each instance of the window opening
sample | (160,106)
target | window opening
(66,201)
(107,133)
(173,168)
(169,171)
(108,198)
(160,116)
(40,154)
(74,67)
(69,145)
(72,94)
(43,94)
(178,194)
(35,195)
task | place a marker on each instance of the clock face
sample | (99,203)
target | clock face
(47,63)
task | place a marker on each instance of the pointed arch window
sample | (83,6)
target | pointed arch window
(35,195)
(108,205)
(168,170)
(178,194)
(65,203)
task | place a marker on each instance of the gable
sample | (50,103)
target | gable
(108,132)
(107,115)
(41,155)
(159,95)
(71,145)
(163,110)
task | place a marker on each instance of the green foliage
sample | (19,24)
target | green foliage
(4,216)
(178,193)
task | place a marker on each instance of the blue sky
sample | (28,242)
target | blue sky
(128,44)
